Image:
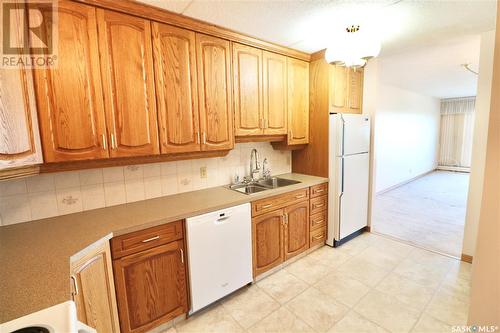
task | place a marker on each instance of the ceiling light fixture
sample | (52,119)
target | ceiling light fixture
(352,48)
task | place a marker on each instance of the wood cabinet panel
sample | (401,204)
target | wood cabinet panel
(318,236)
(176,88)
(338,88)
(298,101)
(279,201)
(355,82)
(318,190)
(19,136)
(128,83)
(268,241)
(70,103)
(94,290)
(318,220)
(319,204)
(275,93)
(247,82)
(151,287)
(296,229)
(213,56)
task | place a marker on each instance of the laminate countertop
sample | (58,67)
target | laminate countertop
(34,256)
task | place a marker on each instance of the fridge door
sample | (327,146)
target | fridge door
(356,134)
(353,198)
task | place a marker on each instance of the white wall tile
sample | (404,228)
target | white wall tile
(69,200)
(93,196)
(91,177)
(13,209)
(134,190)
(114,193)
(43,204)
(40,183)
(112,175)
(152,187)
(66,180)
(36,197)
(14,186)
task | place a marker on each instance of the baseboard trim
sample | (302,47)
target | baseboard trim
(466,258)
(456,169)
(404,182)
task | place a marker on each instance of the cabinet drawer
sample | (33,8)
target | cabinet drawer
(317,236)
(318,220)
(318,190)
(145,239)
(318,204)
(279,201)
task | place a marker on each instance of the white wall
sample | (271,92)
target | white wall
(62,193)
(406,134)
(479,142)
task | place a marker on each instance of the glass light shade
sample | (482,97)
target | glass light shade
(352,49)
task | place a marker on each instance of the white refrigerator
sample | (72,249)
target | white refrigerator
(349,160)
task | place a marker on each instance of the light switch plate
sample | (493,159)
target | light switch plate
(203,172)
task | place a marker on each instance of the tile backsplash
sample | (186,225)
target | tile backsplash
(48,195)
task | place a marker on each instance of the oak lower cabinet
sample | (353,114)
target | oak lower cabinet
(318,211)
(151,282)
(93,288)
(280,229)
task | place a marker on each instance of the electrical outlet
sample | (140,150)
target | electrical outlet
(203,172)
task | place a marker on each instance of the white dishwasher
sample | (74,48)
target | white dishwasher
(220,254)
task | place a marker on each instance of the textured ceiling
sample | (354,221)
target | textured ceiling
(307,25)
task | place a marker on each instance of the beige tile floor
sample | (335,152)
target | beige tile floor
(370,284)
(429,211)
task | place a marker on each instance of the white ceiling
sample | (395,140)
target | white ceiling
(424,42)
(307,24)
(434,70)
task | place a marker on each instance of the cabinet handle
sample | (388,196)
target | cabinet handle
(104,142)
(318,205)
(182,255)
(198,137)
(319,190)
(204,136)
(300,196)
(113,141)
(266,206)
(151,239)
(318,237)
(266,123)
(75,284)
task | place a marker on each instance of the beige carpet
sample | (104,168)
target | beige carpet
(428,212)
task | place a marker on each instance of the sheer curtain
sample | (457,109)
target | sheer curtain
(457,125)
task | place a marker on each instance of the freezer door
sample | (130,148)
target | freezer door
(356,134)
(353,199)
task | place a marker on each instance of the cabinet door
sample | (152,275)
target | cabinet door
(214,89)
(176,90)
(268,242)
(338,88)
(247,69)
(128,83)
(298,101)
(151,287)
(296,229)
(275,93)
(70,106)
(355,99)
(94,291)
(19,138)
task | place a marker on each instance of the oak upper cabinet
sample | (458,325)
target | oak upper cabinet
(70,102)
(296,229)
(248,99)
(355,83)
(275,93)
(151,287)
(268,241)
(346,89)
(176,88)
(93,289)
(338,87)
(213,59)
(19,138)
(128,83)
(298,101)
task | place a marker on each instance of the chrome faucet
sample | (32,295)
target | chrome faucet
(254,164)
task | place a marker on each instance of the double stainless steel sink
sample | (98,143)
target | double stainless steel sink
(262,185)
